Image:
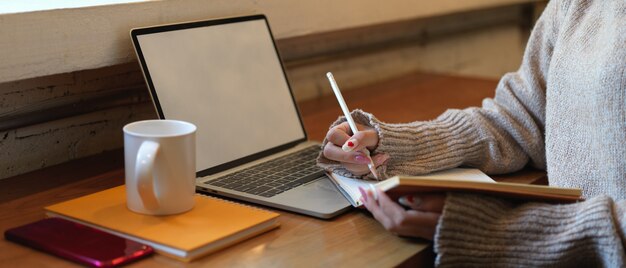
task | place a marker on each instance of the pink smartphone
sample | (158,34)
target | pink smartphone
(79,243)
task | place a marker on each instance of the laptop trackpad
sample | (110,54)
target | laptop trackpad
(319,195)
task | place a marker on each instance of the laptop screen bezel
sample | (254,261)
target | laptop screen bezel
(134,33)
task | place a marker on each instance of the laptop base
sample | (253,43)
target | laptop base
(319,198)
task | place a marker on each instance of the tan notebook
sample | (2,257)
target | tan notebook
(211,225)
(455,180)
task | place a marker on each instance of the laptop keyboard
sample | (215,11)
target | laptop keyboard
(275,176)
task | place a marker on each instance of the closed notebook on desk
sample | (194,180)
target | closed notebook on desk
(211,225)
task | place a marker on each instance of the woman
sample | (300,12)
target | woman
(564,110)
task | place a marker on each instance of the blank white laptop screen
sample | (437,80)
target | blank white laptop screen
(226,79)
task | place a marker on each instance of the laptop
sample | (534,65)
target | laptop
(226,77)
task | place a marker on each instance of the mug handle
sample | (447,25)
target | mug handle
(144,166)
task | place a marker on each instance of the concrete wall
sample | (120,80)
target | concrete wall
(57,41)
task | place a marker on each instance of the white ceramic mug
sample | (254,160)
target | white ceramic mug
(160,163)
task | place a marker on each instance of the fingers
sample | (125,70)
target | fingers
(348,150)
(356,169)
(333,152)
(390,207)
(373,206)
(419,224)
(355,162)
(424,202)
(341,135)
(362,139)
(399,221)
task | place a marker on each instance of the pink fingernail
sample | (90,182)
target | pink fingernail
(361,159)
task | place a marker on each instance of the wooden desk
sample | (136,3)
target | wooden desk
(352,239)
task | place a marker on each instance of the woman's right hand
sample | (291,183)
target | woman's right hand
(348,149)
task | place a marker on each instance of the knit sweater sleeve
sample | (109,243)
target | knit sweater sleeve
(482,231)
(500,137)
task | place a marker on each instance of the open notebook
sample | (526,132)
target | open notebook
(458,180)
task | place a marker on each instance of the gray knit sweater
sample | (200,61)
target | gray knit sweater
(564,110)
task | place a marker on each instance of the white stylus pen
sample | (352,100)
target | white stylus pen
(353,127)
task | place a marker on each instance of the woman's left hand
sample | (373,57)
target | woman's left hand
(420,220)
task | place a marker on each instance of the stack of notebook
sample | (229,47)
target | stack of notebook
(211,225)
